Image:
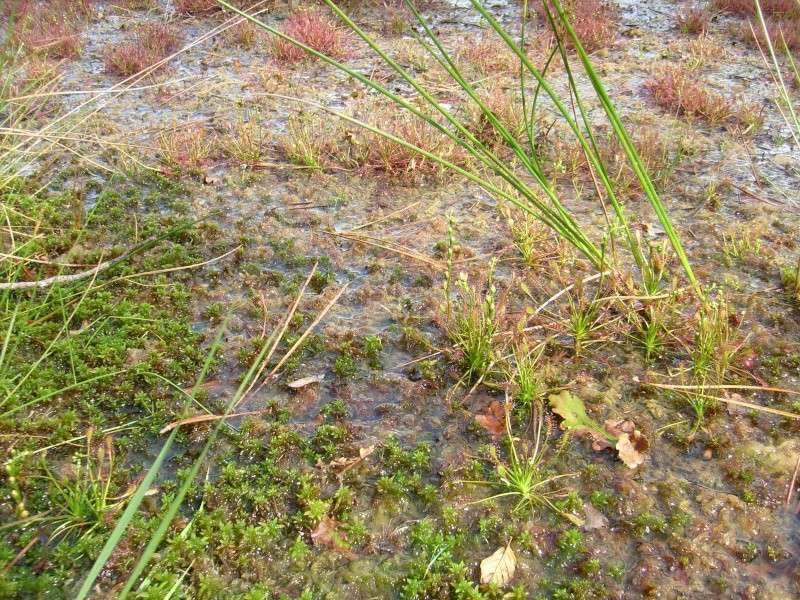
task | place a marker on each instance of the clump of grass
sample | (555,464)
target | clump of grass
(532,240)
(187,148)
(791,280)
(307,142)
(472,324)
(245,142)
(149,44)
(530,387)
(593,21)
(649,316)
(314,30)
(694,21)
(698,51)
(679,91)
(84,497)
(584,317)
(523,476)
(716,342)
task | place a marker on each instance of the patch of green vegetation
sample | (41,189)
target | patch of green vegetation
(648,523)
(373,345)
(345,366)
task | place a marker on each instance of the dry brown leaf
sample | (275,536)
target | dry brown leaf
(499,567)
(631,448)
(494,419)
(304,381)
(327,534)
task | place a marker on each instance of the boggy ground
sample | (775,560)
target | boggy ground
(358,485)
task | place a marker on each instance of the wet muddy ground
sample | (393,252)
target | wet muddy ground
(382,449)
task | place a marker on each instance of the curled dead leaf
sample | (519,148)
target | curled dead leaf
(494,419)
(631,448)
(594,518)
(327,534)
(206,418)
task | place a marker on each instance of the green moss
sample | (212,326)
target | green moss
(647,523)
(373,345)
(345,366)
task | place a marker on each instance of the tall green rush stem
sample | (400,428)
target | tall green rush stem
(630,151)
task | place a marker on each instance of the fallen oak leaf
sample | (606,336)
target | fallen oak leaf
(493,420)
(621,435)
(498,569)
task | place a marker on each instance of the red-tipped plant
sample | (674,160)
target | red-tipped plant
(150,43)
(784,9)
(695,21)
(196,7)
(594,21)
(679,91)
(313,30)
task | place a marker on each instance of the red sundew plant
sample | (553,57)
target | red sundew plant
(396,161)
(151,43)
(594,21)
(695,21)
(489,54)
(196,7)
(315,31)
(17,8)
(780,32)
(677,90)
(56,38)
(747,8)
(52,28)
(243,34)
(68,9)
